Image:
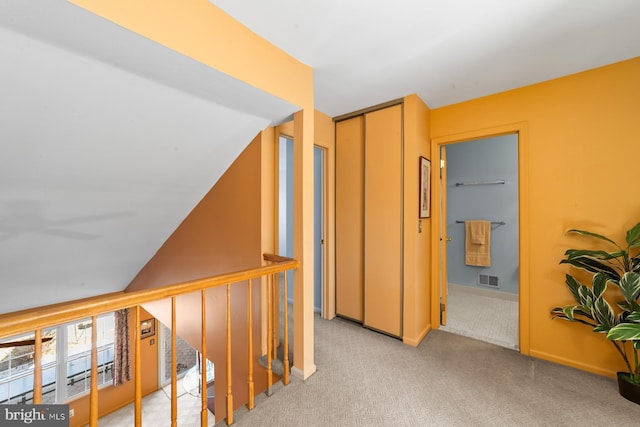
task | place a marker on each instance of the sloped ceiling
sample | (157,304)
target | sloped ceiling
(108,141)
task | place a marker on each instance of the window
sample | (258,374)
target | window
(78,355)
(186,358)
(66,362)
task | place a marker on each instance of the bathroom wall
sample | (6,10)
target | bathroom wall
(478,161)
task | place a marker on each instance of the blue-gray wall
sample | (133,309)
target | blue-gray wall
(286,215)
(285,209)
(484,160)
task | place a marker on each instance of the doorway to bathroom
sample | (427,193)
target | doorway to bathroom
(479,181)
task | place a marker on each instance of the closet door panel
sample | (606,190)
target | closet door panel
(383,221)
(349,218)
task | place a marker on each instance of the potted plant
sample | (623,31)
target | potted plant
(621,269)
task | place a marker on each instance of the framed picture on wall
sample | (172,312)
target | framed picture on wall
(425,188)
(147,328)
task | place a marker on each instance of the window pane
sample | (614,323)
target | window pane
(79,354)
(17,370)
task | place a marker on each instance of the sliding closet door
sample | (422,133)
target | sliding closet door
(383,221)
(349,218)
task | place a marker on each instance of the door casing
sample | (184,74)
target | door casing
(521,129)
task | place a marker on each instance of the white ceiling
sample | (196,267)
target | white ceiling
(109,140)
(365,52)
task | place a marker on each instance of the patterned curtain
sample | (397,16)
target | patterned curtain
(121,357)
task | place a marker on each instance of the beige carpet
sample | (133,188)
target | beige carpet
(486,315)
(368,379)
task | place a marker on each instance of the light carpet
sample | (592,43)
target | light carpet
(365,378)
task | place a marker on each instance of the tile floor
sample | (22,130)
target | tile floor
(485,315)
(156,411)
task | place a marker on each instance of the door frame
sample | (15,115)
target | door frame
(321,223)
(328,177)
(443,278)
(328,309)
(521,129)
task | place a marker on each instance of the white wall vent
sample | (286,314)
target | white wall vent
(487,280)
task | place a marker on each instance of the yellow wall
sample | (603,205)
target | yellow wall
(580,168)
(221,234)
(113,398)
(417,232)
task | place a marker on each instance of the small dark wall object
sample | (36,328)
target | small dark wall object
(147,328)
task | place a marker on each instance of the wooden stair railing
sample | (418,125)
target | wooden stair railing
(38,319)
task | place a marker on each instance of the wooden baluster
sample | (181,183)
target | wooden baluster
(269,332)
(275,315)
(250,402)
(93,396)
(285,348)
(229,392)
(204,413)
(137,348)
(37,367)
(174,375)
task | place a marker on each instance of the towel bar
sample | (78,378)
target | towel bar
(492,222)
(501,181)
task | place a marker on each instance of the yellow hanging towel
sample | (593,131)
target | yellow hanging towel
(477,243)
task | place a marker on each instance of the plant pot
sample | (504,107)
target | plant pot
(628,389)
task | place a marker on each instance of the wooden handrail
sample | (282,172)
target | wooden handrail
(37,319)
(19,322)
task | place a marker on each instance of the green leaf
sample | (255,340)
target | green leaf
(588,233)
(593,266)
(630,286)
(601,255)
(586,296)
(633,317)
(633,236)
(573,284)
(629,306)
(603,314)
(599,284)
(624,332)
(568,312)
